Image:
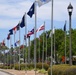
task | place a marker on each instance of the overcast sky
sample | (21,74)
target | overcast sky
(12,11)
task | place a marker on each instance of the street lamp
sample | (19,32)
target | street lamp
(70,9)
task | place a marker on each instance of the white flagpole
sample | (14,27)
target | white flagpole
(25,44)
(54,45)
(46,46)
(19,45)
(25,34)
(14,50)
(51,36)
(43,47)
(23,51)
(7,53)
(10,51)
(39,48)
(35,36)
(29,50)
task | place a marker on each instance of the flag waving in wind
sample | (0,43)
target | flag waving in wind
(42,27)
(30,32)
(16,43)
(42,2)
(8,37)
(31,11)
(11,31)
(22,24)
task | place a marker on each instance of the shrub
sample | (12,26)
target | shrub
(30,66)
(71,71)
(17,67)
(39,65)
(22,66)
(46,66)
(63,70)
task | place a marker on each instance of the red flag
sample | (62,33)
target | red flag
(22,46)
(3,43)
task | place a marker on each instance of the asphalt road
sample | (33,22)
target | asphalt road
(2,73)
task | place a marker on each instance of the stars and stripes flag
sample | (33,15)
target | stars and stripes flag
(30,32)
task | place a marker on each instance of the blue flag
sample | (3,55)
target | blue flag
(15,44)
(11,31)
(22,24)
(65,26)
(31,11)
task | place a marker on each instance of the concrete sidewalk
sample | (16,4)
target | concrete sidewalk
(17,72)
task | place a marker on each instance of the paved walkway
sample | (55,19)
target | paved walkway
(3,73)
(17,72)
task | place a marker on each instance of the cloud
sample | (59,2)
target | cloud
(12,11)
(60,10)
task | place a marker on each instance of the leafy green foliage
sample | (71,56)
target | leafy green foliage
(59,44)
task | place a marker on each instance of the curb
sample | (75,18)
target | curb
(7,72)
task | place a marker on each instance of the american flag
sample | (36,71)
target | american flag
(30,32)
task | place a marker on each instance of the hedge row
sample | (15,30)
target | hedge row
(26,66)
(63,70)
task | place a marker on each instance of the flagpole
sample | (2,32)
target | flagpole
(25,35)
(46,46)
(35,36)
(65,42)
(51,36)
(39,48)
(25,43)
(23,50)
(19,46)
(54,45)
(14,50)
(7,53)
(10,51)
(29,50)
(43,47)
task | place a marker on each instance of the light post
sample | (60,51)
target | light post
(70,9)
